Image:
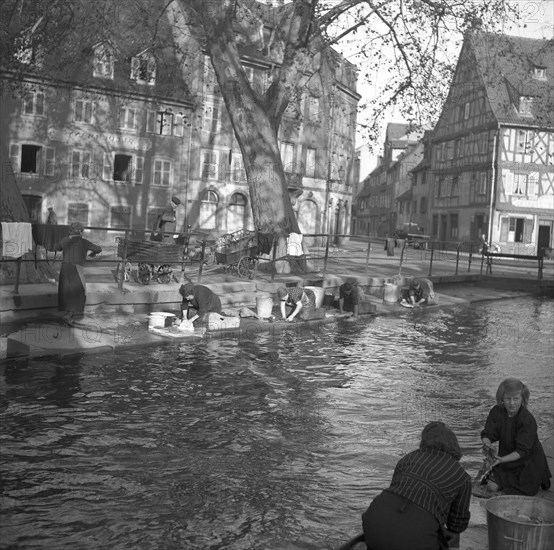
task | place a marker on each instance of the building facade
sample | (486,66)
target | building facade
(109,144)
(493,146)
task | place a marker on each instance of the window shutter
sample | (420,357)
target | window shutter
(178,128)
(122,112)
(49,165)
(139,169)
(504,228)
(107,172)
(151,121)
(509,182)
(15,157)
(85,169)
(532,181)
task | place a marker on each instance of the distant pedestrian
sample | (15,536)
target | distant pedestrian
(167,221)
(52,218)
(72,288)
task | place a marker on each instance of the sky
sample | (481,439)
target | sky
(537,21)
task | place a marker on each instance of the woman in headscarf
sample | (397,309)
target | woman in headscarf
(72,288)
(427,503)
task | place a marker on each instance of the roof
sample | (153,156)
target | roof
(507,68)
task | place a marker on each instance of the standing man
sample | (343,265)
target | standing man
(167,222)
(52,218)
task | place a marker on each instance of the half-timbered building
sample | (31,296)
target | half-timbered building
(492,152)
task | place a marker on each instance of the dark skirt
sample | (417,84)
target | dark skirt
(393,522)
(71,289)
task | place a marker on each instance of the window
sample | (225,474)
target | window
(123,167)
(208,210)
(120,216)
(210,81)
(523,144)
(103,61)
(78,212)
(466,110)
(313,109)
(83,111)
(209,169)
(423,205)
(239,173)
(33,103)
(539,73)
(128,118)
(32,159)
(515,230)
(287,156)
(165,123)
(525,105)
(455,189)
(481,183)
(236,213)
(522,184)
(80,165)
(210,119)
(143,69)
(453,226)
(162,172)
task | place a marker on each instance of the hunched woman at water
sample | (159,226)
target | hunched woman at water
(427,503)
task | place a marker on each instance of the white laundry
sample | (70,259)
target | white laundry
(294,245)
(17,239)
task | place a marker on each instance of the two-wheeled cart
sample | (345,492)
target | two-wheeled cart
(238,252)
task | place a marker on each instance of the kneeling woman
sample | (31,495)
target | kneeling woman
(197,301)
(297,298)
(427,503)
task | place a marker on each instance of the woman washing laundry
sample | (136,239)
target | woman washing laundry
(297,298)
(72,288)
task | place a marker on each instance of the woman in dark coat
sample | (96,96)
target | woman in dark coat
(427,503)
(520,467)
(198,300)
(72,288)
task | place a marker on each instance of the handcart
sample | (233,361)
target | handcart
(155,259)
(238,252)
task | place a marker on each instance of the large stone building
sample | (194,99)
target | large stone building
(110,139)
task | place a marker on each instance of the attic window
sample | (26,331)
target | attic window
(525,105)
(143,70)
(103,62)
(539,73)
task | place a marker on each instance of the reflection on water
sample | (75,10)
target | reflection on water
(269,442)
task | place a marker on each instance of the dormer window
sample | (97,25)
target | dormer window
(143,69)
(525,105)
(539,73)
(103,61)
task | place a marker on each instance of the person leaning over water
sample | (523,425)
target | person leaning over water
(197,301)
(72,287)
(420,292)
(296,297)
(427,502)
(521,467)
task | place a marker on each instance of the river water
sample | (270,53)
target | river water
(274,441)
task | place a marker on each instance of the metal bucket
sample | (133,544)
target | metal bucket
(520,522)
(391,293)
(160,319)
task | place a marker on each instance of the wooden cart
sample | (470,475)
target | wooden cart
(238,252)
